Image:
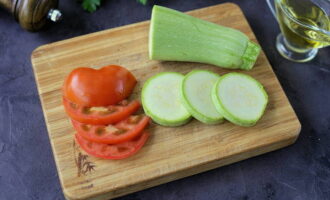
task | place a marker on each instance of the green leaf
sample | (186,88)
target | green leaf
(91,5)
(144,2)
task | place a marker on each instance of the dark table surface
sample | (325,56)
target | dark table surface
(298,172)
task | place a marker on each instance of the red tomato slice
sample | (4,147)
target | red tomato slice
(101,115)
(123,131)
(113,151)
(99,87)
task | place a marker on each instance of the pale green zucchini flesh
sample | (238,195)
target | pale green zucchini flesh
(176,36)
(239,98)
(196,96)
(161,99)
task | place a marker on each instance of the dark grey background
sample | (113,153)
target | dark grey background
(298,172)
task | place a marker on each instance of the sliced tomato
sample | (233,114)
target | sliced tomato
(98,87)
(123,131)
(101,115)
(113,151)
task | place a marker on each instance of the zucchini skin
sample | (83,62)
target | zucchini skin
(175,36)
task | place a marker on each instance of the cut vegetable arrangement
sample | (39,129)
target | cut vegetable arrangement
(176,36)
(239,98)
(170,98)
(96,102)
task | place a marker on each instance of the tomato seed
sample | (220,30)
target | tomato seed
(109,111)
(73,105)
(85,127)
(120,131)
(86,110)
(134,119)
(121,149)
(100,131)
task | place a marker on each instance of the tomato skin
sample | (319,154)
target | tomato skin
(113,151)
(98,87)
(78,113)
(123,131)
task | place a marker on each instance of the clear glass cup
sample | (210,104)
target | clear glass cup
(305,27)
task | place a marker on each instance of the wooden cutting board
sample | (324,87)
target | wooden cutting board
(170,153)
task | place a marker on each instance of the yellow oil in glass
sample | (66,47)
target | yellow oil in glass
(302,22)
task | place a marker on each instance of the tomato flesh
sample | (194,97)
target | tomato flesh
(123,131)
(113,151)
(98,87)
(101,115)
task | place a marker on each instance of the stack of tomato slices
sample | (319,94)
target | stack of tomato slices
(96,101)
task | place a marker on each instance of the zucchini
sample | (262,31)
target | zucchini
(239,98)
(175,36)
(161,99)
(196,96)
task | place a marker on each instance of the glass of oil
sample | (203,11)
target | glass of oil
(305,27)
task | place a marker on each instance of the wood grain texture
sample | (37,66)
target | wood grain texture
(170,153)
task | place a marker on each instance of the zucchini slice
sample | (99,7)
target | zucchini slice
(161,99)
(239,98)
(196,96)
